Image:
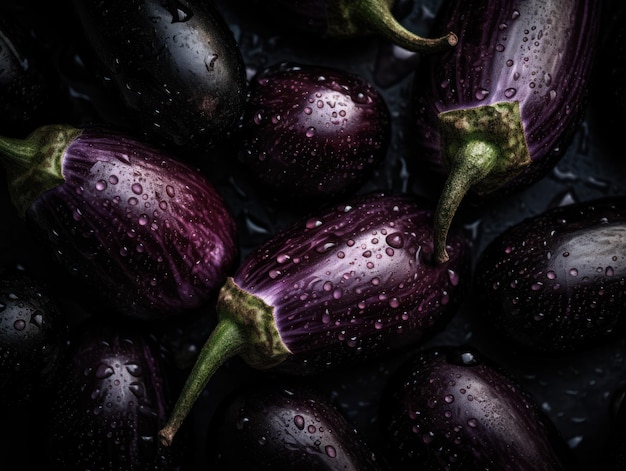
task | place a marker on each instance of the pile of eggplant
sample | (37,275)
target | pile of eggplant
(329,234)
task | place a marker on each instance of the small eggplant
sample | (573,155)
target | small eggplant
(352,19)
(176,66)
(554,283)
(451,408)
(278,425)
(312,133)
(494,114)
(151,233)
(346,285)
(112,395)
(33,336)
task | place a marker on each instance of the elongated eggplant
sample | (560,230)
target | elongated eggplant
(312,133)
(452,408)
(554,283)
(494,114)
(150,232)
(352,19)
(346,285)
(33,336)
(282,424)
(176,66)
(111,397)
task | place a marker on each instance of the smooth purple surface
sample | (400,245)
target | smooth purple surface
(150,232)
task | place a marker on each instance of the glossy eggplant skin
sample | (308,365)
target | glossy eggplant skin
(150,233)
(176,66)
(110,398)
(312,133)
(516,85)
(283,424)
(553,283)
(355,281)
(33,336)
(449,407)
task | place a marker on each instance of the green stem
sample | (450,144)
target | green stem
(19,152)
(470,165)
(351,17)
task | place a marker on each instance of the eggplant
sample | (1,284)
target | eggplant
(346,285)
(282,424)
(554,283)
(150,233)
(450,407)
(33,336)
(112,395)
(312,133)
(175,65)
(345,19)
(495,114)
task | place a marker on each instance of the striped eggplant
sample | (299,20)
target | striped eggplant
(554,283)
(494,114)
(336,19)
(452,408)
(351,283)
(149,232)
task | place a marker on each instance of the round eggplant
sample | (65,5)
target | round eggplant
(347,285)
(554,283)
(150,233)
(450,408)
(176,66)
(494,114)
(312,133)
(111,396)
(337,19)
(284,425)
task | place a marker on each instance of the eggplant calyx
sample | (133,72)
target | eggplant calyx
(245,327)
(483,148)
(358,17)
(34,164)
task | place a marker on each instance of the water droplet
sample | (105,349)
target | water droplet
(104,371)
(19,324)
(136,188)
(481,93)
(395,240)
(310,132)
(298,420)
(449,398)
(101,185)
(510,92)
(330,451)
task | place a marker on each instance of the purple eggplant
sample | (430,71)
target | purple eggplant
(351,283)
(282,424)
(111,396)
(554,282)
(451,408)
(151,233)
(33,336)
(175,65)
(494,114)
(312,133)
(340,19)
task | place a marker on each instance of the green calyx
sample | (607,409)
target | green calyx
(245,327)
(34,164)
(351,18)
(482,149)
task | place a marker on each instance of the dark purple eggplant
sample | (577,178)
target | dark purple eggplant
(494,114)
(148,231)
(554,282)
(451,408)
(312,133)
(111,396)
(175,64)
(349,284)
(341,19)
(282,424)
(33,336)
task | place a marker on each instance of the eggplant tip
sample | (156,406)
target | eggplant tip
(166,435)
(453,39)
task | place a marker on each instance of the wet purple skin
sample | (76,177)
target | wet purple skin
(149,231)
(450,408)
(554,283)
(356,281)
(312,132)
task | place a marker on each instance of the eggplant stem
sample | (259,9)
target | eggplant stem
(471,164)
(226,341)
